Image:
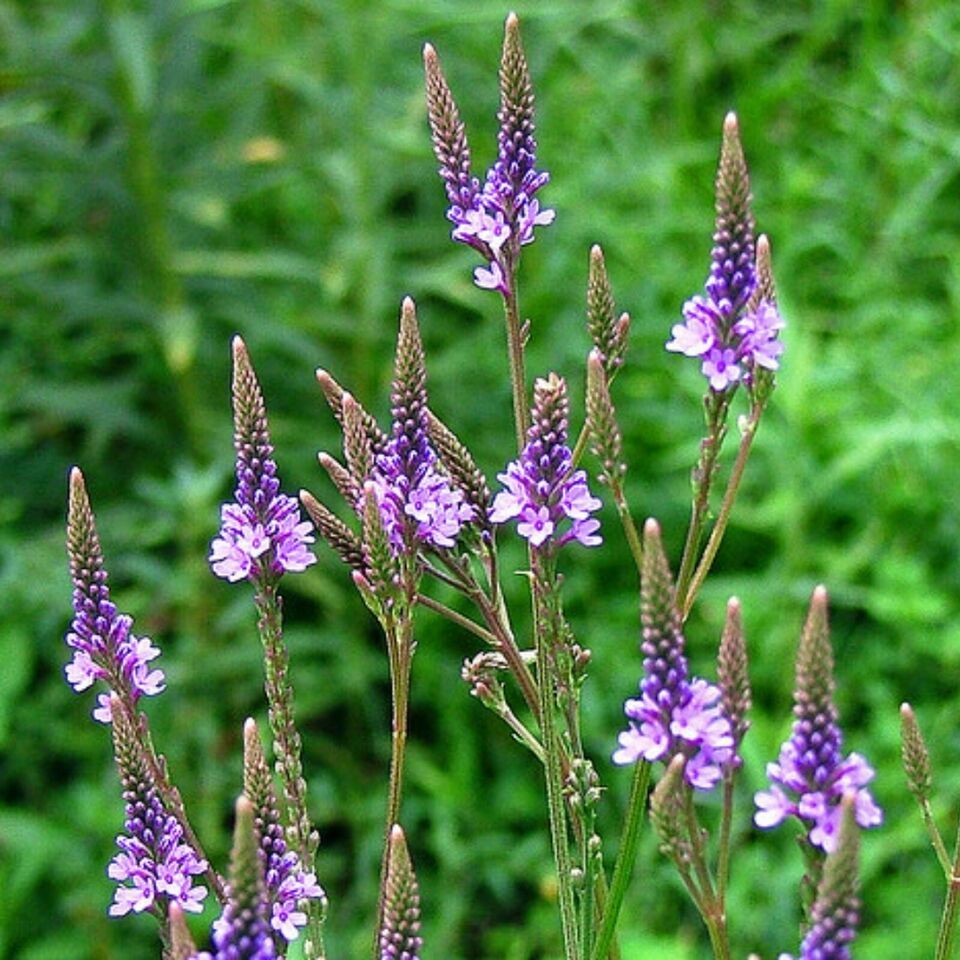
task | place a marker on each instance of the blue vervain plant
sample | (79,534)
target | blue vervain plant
(422,514)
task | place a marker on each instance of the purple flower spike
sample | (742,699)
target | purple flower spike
(155,866)
(735,328)
(542,491)
(103,646)
(811,775)
(261,534)
(675,714)
(418,504)
(500,217)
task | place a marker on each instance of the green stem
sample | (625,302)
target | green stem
(518,379)
(626,858)
(400,652)
(938,845)
(726,825)
(546,632)
(717,406)
(948,919)
(629,527)
(723,517)
(458,618)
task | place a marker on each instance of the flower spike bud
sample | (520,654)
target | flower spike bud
(766,287)
(182,946)
(515,139)
(243,929)
(667,811)
(606,441)
(658,611)
(344,542)
(400,931)
(379,559)
(836,910)
(356,443)
(732,672)
(459,463)
(916,757)
(333,393)
(607,330)
(409,394)
(732,271)
(341,477)
(449,136)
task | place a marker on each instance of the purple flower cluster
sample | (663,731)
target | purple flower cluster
(286,883)
(154,861)
(676,715)
(542,490)
(730,348)
(809,779)
(275,533)
(103,646)
(261,533)
(417,501)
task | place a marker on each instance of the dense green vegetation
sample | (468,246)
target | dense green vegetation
(172,173)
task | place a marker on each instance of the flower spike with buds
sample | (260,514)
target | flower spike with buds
(155,866)
(811,776)
(542,489)
(674,714)
(418,504)
(103,646)
(261,533)
(400,930)
(498,218)
(731,331)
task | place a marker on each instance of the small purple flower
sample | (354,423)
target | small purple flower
(103,646)
(541,489)
(261,534)
(675,714)
(811,776)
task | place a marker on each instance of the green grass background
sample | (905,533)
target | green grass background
(174,173)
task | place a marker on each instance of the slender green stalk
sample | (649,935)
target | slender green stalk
(717,407)
(723,517)
(935,838)
(518,379)
(726,825)
(626,859)
(546,632)
(458,618)
(629,527)
(951,907)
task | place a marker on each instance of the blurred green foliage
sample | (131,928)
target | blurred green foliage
(175,172)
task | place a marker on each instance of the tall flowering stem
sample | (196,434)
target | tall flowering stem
(261,538)
(734,331)
(499,217)
(104,648)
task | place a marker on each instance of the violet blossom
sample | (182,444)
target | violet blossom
(735,328)
(675,713)
(261,532)
(543,492)
(499,217)
(811,776)
(418,503)
(104,648)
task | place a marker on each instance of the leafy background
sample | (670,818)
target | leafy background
(173,173)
